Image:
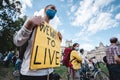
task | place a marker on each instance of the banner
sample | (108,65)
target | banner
(46,48)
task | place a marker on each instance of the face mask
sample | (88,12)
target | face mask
(50,13)
(77,48)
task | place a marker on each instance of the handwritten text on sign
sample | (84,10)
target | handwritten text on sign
(46,48)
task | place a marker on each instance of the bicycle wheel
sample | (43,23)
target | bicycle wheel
(82,75)
(100,75)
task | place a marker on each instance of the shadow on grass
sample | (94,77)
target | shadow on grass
(62,71)
(6,72)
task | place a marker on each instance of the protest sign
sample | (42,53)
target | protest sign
(46,48)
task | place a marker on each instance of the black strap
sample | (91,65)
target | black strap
(22,48)
(72,59)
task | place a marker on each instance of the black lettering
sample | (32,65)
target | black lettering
(56,61)
(50,31)
(53,43)
(41,27)
(36,56)
(47,29)
(51,58)
(48,40)
(44,28)
(45,55)
(52,34)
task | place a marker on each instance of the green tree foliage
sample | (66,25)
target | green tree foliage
(10,22)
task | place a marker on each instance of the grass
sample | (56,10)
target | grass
(6,73)
(103,67)
(62,71)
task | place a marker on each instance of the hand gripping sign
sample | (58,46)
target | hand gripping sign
(46,48)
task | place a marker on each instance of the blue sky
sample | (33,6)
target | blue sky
(87,22)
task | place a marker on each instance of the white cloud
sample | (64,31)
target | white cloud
(84,13)
(117,16)
(87,46)
(118,36)
(91,16)
(114,8)
(62,0)
(102,3)
(25,3)
(87,10)
(73,8)
(63,42)
(68,13)
(55,22)
(62,31)
(102,22)
(23,10)
(39,13)
(70,1)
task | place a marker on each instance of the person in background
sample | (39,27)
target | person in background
(76,61)
(95,63)
(1,56)
(8,58)
(85,61)
(23,35)
(112,53)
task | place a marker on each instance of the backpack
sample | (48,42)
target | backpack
(22,48)
(66,57)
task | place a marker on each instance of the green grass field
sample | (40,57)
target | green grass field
(6,73)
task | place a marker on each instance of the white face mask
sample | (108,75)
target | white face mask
(77,48)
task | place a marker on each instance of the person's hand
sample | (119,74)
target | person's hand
(60,36)
(34,22)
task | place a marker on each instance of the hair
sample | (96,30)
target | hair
(105,59)
(75,44)
(48,6)
(113,40)
(81,50)
(118,43)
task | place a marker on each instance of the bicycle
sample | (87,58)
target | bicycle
(95,74)
(99,74)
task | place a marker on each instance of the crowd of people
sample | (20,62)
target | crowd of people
(8,58)
(77,57)
(112,60)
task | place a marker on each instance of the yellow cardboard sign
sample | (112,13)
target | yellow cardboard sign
(46,48)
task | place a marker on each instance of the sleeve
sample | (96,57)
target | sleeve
(77,56)
(21,36)
(117,51)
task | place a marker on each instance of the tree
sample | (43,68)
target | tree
(9,23)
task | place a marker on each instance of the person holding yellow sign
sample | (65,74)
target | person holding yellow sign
(24,35)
